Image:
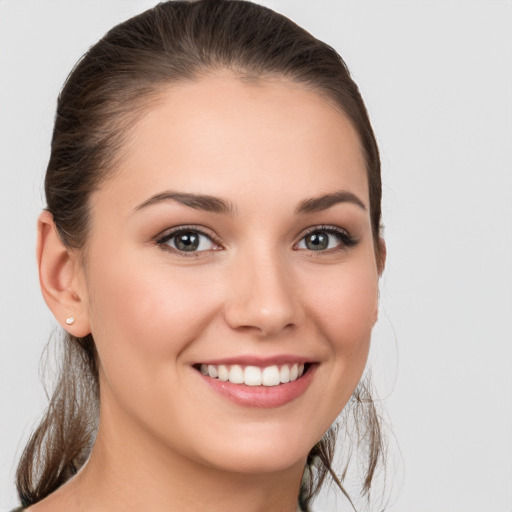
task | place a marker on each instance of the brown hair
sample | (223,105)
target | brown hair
(110,86)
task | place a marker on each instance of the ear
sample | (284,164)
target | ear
(381,264)
(61,278)
(381,254)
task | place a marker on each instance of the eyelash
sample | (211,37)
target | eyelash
(344,238)
(162,240)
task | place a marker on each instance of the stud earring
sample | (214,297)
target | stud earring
(70,320)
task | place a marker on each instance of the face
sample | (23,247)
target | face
(231,280)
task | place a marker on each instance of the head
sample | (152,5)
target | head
(232,101)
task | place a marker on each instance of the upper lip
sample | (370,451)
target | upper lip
(253,360)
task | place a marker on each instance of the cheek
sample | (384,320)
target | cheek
(147,311)
(345,308)
(143,317)
(341,308)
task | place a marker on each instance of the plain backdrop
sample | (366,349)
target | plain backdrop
(437,80)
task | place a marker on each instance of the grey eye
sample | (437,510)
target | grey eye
(189,241)
(317,241)
(326,239)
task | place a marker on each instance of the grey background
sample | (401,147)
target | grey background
(437,80)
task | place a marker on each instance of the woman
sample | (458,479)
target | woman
(212,248)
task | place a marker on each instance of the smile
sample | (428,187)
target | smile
(250,382)
(273,375)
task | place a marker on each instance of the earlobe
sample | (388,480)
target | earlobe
(62,284)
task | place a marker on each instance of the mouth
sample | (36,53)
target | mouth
(260,382)
(255,376)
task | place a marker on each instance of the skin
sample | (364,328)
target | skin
(165,437)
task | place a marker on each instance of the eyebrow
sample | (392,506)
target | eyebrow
(197,201)
(321,203)
(218,205)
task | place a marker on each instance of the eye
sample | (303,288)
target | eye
(326,238)
(187,240)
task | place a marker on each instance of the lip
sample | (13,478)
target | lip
(260,396)
(262,362)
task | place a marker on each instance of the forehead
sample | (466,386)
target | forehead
(220,135)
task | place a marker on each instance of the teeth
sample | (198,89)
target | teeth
(223,372)
(270,376)
(236,374)
(254,375)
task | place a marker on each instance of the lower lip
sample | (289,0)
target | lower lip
(262,396)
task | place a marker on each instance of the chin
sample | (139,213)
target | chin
(261,453)
(261,463)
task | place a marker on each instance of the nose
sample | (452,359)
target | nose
(262,298)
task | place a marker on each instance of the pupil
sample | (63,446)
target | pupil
(317,241)
(187,241)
